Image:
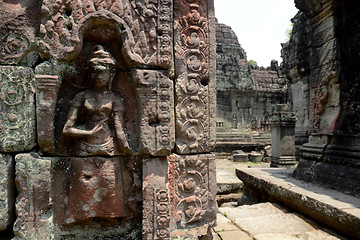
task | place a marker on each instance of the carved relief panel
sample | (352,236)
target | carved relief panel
(18,32)
(155,94)
(178,194)
(17,109)
(90,189)
(104,120)
(130,33)
(107,112)
(192,189)
(87,109)
(195,83)
(325,102)
(156,204)
(146,27)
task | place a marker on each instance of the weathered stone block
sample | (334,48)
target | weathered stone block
(33,204)
(17,107)
(192,192)
(195,98)
(156,205)
(98,194)
(256,157)
(7,191)
(240,156)
(155,95)
(140,23)
(18,31)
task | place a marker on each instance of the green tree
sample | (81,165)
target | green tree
(252,63)
(288,32)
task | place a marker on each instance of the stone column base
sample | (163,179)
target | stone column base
(283,161)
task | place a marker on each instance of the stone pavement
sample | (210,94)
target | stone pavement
(227,181)
(332,208)
(262,221)
(266,221)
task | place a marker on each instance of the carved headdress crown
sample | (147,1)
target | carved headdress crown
(100,56)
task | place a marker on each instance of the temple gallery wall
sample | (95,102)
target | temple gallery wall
(320,62)
(107,119)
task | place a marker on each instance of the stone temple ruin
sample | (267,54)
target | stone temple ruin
(107,119)
(246,95)
(320,63)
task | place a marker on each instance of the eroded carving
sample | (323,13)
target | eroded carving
(192,195)
(95,191)
(15,46)
(155,93)
(94,111)
(145,25)
(192,90)
(47,88)
(325,103)
(17,117)
(162,214)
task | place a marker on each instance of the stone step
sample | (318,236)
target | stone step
(332,208)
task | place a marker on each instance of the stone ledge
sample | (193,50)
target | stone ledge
(335,209)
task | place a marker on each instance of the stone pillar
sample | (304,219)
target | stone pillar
(283,137)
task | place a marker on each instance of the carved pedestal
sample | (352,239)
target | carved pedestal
(283,138)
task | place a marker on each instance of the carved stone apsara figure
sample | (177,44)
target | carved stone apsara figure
(96,116)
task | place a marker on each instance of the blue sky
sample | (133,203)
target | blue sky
(260,25)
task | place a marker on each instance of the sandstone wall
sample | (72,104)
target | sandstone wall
(107,119)
(320,63)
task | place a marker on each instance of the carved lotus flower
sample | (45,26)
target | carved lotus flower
(162,196)
(189,184)
(163,233)
(190,211)
(162,221)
